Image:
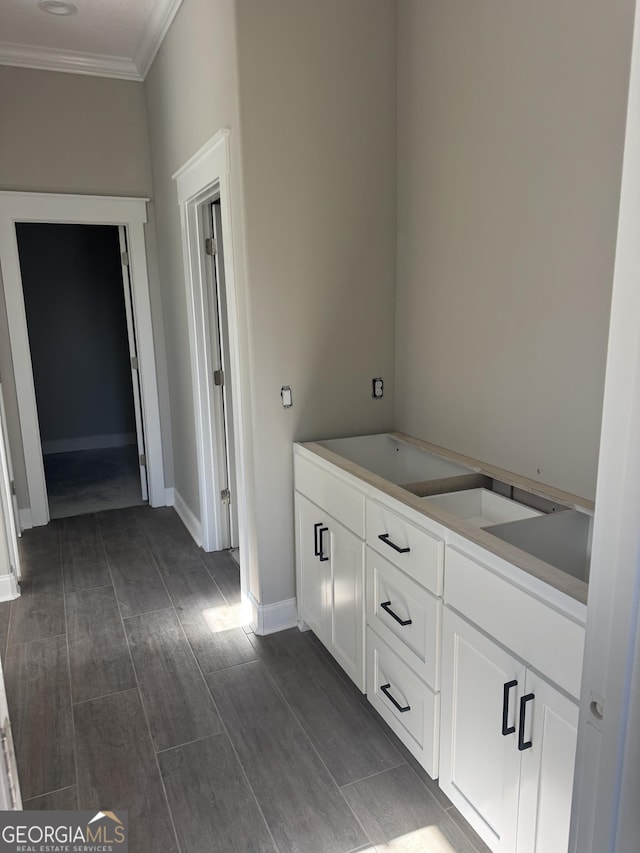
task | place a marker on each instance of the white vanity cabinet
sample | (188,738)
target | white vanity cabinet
(330,564)
(404,572)
(508,735)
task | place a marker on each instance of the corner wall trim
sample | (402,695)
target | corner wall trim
(9,588)
(270,618)
(25,518)
(187,517)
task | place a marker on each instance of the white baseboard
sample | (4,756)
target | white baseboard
(270,618)
(25,518)
(88,442)
(9,588)
(187,517)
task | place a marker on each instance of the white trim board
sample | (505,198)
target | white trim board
(187,517)
(271,618)
(133,67)
(88,442)
(9,588)
(90,210)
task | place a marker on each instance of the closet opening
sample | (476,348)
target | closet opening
(81,330)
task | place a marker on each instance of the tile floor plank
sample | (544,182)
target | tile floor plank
(176,699)
(117,769)
(395,809)
(65,800)
(119,524)
(212,804)
(212,628)
(98,652)
(37,682)
(225,572)
(349,742)
(300,801)
(139,587)
(36,617)
(84,563)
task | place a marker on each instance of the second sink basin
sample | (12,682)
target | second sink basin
(481,507)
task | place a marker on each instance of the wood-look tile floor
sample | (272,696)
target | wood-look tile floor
(133,685)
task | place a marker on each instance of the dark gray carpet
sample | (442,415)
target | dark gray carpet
(92,480)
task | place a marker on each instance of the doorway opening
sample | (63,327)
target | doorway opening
(219,354)
(78,305)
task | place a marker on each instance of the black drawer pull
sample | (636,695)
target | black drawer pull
(322,530)
(386,605)
(316,550)
(385,538)
(523,710)
(506,728)
(387,693)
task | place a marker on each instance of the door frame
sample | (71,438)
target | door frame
(77,210)
(202,179)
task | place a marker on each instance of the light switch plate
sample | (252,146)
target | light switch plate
(287,396)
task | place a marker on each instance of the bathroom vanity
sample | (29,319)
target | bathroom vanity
(453,594)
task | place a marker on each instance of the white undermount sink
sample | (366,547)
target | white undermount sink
(481,507)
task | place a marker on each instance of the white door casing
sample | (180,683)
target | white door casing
(8,503)
(133,357)
(204,177)
(91,210)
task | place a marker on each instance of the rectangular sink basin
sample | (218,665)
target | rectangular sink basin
(395,460)
(562,539)
(481,507)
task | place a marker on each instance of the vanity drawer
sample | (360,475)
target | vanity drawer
(540,635)
(405,702)
(334,495)
(418,553)
(405,615)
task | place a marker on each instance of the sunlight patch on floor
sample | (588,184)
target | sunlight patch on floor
(226,617)
(427,839)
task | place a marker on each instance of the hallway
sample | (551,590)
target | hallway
(132,684)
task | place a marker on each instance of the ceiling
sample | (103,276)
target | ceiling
(110,38)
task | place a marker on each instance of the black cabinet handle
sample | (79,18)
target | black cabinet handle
(316,550)
(386,605)
(385,538)
(523,710)
(506,728)
(322,530)
(387,693)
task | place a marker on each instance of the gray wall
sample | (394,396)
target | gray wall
(191,92)
(511,122)
(318,108)
(73,292)
(74,133)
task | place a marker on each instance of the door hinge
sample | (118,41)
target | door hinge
(218,377)
(13,487)
(125,259)
(134,362)
(143,459)
(211,246)
(225,496)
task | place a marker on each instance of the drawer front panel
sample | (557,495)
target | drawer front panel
(339,499)
(406,704)
(541,636)
(410,620)
(418,553)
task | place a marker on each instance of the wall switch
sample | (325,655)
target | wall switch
(377,388)
(287,397)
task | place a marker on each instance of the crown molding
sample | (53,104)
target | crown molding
(98,65)
(160,19)
(71,61)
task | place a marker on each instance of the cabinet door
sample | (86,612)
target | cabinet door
(313,578)
(479,765)
(347,601)
(551,727)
